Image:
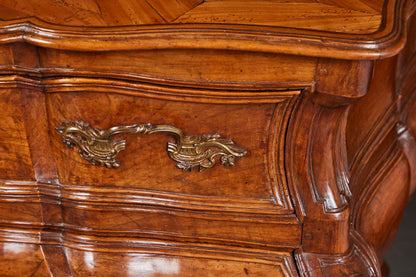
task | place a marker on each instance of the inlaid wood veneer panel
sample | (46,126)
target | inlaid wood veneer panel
(352,17)
(172,9)
(296,14)
(98,13)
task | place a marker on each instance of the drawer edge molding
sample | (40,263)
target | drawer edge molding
(98,147)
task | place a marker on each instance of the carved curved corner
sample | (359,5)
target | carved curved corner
(359,260)
(381,183)
(319,182)
(327,159)
(406,128)
(408,143)
(318,134)
(275,153)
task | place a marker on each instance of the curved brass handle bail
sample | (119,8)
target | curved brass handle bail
(99,148)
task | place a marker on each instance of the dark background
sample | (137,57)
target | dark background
(401,257)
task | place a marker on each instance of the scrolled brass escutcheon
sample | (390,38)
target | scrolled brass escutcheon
(99,148)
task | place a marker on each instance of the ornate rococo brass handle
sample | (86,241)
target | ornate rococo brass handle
(99,148)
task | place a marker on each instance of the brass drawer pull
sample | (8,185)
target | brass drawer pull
(99,148)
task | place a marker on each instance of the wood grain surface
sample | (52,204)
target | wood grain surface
(366,29)
(329,133)
(351,17)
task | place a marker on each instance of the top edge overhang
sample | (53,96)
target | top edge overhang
(387,41)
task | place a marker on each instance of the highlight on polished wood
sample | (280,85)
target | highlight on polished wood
(315,102)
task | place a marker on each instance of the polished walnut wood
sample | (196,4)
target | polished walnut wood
(318,96)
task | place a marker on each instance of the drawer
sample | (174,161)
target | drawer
(148,192)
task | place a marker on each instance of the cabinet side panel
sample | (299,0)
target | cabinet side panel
(381,148)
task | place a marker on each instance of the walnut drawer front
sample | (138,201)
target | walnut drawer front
(150,195)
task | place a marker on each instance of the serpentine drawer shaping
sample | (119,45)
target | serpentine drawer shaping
(206,138)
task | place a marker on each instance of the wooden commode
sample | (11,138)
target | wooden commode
(205,138)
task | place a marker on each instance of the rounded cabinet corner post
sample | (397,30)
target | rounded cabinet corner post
(99,148)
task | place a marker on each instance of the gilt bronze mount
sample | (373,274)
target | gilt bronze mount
(99,148)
